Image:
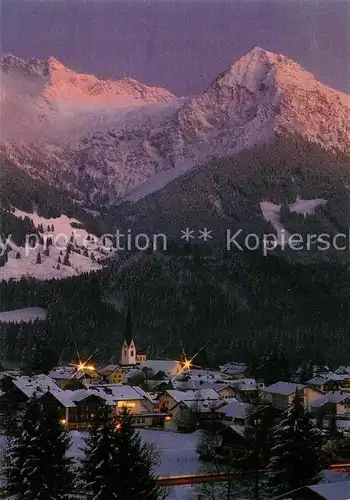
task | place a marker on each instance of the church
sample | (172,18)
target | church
(129,355)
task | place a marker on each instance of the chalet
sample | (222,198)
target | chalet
(64,375)
(327,382)
(332,408)
(114,374)
(246,389)
(189,413)
(61,403)
(170,398)
(236,413)
(165,367)
(281,394)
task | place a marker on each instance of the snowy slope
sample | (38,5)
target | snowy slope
(271,213)
(26,265)
(26,314)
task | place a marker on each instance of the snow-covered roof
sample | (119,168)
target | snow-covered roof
(330,397)
(233,368)
(193,395)
(283,388)
(201,405)
(343,370)
(239,429)
(145,394)
(243,384)
(64,397)
(115,392)
(169,367)
(332,491)
(38,384)
(62,373)
(235,409)
(195,384)
(110,368)
(324,378)
(206,375)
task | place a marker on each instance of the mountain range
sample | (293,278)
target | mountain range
(266,147)
(114,141)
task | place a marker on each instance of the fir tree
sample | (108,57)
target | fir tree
(38,258)
(135,462)
(18,255)
(36,465)
(100,467)
(296,457)
(66,261)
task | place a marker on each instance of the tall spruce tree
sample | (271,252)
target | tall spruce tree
(136,461)
(296,457)
(100,467)
(36,466)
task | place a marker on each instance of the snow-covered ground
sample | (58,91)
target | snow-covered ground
(177,452)
(271,213)
(62,231)
(177,456)
(307,207)
(26,314)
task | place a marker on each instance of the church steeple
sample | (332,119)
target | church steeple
(128,356)
(128,326)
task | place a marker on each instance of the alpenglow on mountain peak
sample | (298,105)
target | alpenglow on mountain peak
(62,83)
(255,99)
(259,69)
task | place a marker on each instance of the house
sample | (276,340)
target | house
(64,375)
(342,370)
(143,408)
(281,394)
(61,403)
(327,491)
(246,389)
(224,390)
(332,408)
(328,382)
(115,374)
(236,412)
(188,414)
(165,367)
(170,398)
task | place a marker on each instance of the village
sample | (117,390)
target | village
(176,395)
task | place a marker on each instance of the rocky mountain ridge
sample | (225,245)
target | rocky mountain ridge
(130,150)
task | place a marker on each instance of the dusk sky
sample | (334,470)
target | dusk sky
(180,45)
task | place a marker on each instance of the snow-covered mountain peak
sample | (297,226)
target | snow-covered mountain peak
(63,84)
(260,69)
(123,149)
